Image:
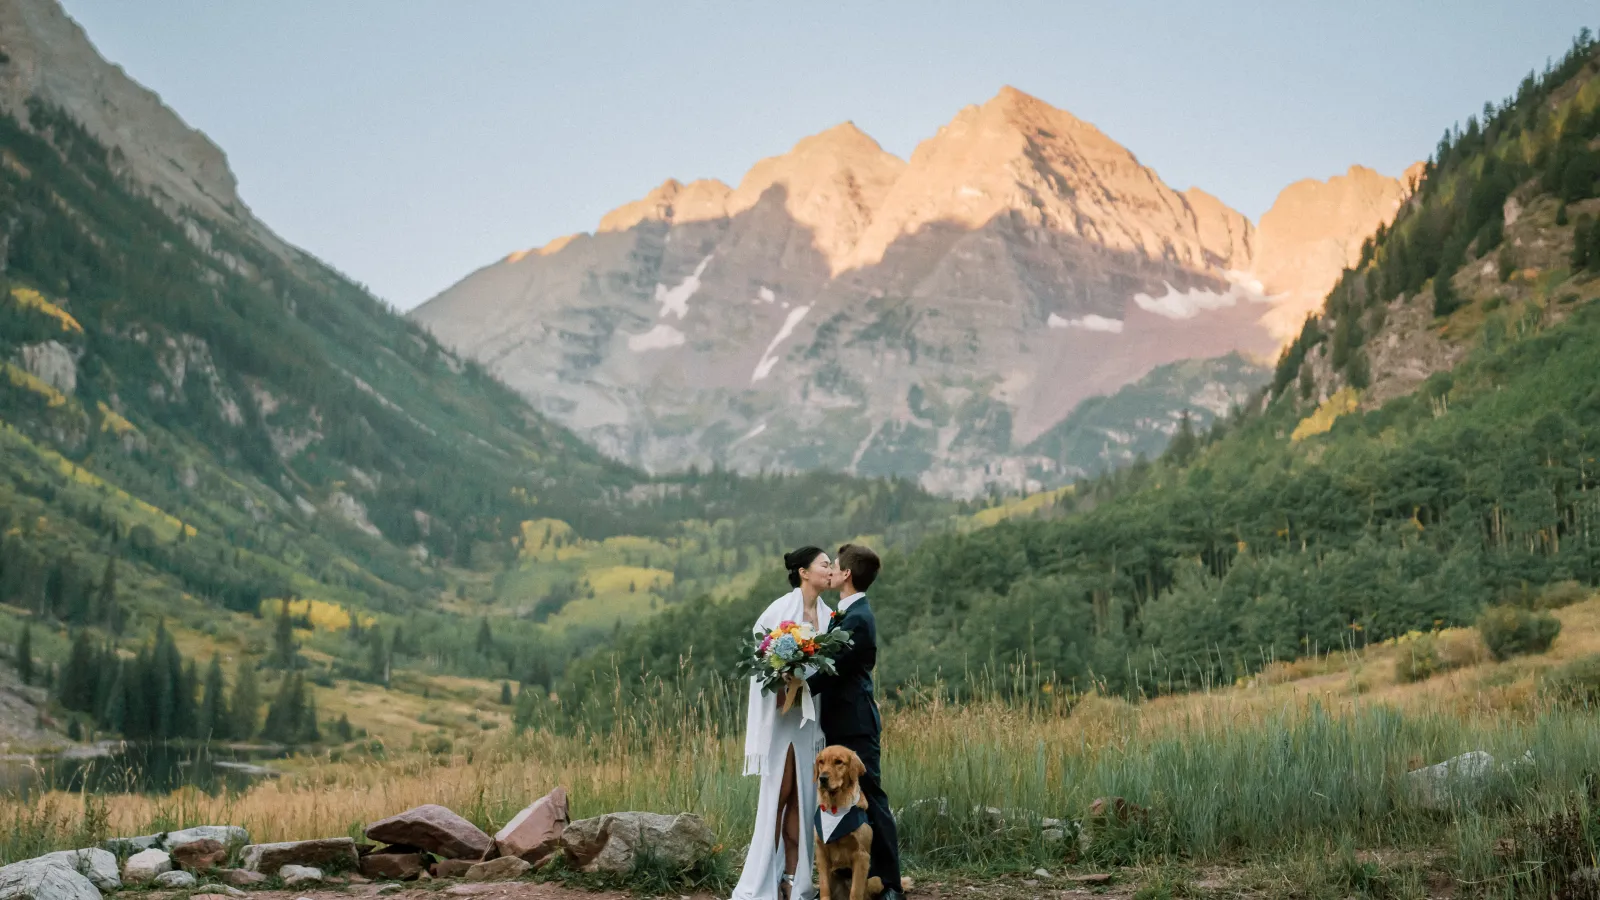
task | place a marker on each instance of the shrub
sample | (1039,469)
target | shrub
(1576,683)
(1512,630)
(1418,660)
(1431,654)
(1561,593)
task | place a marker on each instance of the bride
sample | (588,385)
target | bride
(781,748)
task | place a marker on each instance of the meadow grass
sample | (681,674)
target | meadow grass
(1304,766)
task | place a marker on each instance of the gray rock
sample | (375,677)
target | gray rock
(391,888)
(145,865)
(226,890)
(47,880)
(294,876)
(506,868)
(99,866)
(1053,835)
(329,852)
(226,835)
(128,846)
(609,843)
(1434,786)
(176,879)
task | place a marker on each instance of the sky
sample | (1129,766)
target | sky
(409,142)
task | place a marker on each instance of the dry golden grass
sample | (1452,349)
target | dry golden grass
(1355,728)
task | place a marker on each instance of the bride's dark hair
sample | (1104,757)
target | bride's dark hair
(796,560)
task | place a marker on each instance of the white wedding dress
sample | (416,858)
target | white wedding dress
(768,736)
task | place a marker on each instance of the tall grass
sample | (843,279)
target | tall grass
(1311,765)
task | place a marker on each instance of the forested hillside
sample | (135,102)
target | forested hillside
(1303,526)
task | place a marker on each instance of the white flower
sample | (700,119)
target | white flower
(807,632)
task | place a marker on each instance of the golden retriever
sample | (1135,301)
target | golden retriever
(842,859)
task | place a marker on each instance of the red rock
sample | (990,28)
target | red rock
(391,866)
(434,829)
(452,868)
(199,855)
(534,835)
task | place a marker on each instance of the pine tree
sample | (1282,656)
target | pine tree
(286,714)
(283,645)
(377,658)
(106,611)
(505,693)
(25,655)
(214,722)
(485,642)
(78,680)
(343,730)
(113,711)
(246,702)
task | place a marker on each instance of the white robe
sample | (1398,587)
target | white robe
(768,737)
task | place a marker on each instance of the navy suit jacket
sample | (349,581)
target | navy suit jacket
(846,708)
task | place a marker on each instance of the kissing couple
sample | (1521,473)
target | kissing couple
(782,746)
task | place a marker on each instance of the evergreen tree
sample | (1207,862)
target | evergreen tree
(284,649)
(106,610)
(505,693)
(114,708)
(285,722)
(76,690)
(343,730)
(25,655)
(485,642)
(214,721)
(377,658)
(246,702)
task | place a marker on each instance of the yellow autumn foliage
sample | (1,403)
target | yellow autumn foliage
(28,298)
(324,616)
(1346,400)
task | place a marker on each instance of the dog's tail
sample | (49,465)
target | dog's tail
(905,884)
(875,885)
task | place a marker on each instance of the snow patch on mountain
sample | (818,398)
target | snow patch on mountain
(1090,322)
(764,367)
(658,338)
(676,299)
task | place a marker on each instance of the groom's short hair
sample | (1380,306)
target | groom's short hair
(861,563)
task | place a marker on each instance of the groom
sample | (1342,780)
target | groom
(849,715)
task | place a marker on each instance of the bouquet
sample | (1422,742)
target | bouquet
(788,650)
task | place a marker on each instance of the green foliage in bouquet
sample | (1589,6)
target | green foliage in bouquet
(788,650)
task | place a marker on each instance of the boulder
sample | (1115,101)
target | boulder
(241,877)
(329,852)
(226,835)
(391,866)
(1435,785)
(609,843)
(506,868)
(177,879)
(294,876)
(99,866)
(35,880)
(204,853)
(128,846)
(434,829)
(452,868)
(535,833)
(145,865)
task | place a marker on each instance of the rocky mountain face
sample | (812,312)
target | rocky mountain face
(1314,231)
(49,58)
(932,318)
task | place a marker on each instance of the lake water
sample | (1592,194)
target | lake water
(137,769)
